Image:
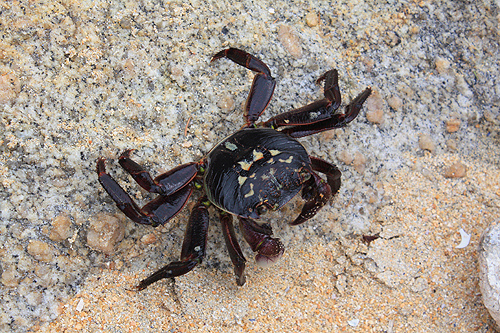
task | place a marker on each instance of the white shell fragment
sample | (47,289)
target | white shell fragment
(353,322)
(465,239)
(79,306)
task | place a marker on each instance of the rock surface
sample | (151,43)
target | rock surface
(489,267)
(87,79)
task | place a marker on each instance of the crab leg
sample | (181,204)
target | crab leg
(233,247)
(316,195)
(334,121)
(268,249)
(263,83)
(331,171)
(193,246)
(166,183)
(316,191)
(316,111)
(331,90)
(156,212)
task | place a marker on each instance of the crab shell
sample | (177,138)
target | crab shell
(254,170)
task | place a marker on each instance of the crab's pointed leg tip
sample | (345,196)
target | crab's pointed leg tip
(139,287)
(240,281)
(218,55)
(134,289)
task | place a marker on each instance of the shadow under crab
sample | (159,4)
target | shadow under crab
(258,168)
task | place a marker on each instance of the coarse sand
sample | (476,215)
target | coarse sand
(391,252)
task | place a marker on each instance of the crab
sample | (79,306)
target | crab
(257,169)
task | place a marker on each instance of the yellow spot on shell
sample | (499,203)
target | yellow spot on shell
(288,160)
(245,165)
(242,180)
(251,192)
(231,146)
(274,152)
(257,155)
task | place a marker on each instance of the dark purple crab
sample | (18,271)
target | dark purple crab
(258,168)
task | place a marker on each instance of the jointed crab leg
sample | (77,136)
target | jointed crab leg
(193,246)
(331,171)
(334,121)
(316,191)
(331,90)
(166,183)
(268,249)
(316,111)
(163,208)
(263,83)
(233,247)
(156,212)
(316,195)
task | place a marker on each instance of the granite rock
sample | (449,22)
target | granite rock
(489,267)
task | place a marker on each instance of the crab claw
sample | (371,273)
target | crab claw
(269,252)
(317,195)
(269,249)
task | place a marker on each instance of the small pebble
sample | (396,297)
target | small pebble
(425,143)
(34,298)
(10,277)
(129,67)
(372,196)
(290,41)
(451,144)
(226,103)
(345,157)
(369,63)
(341,283)
(359,162)
(353,322)
(490,116)
(312,19)
(452,125)
(395,102)
(415,30)
(375,116)
(176,71)
(456,170)
(374,108)
(463,86)
(126,23)
(41,251)
(392,38)
(442,65)
(61,228)
(10,87)
(105,231)
(80,305)
(148,239)
(420,284)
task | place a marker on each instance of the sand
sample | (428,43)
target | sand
(80,80)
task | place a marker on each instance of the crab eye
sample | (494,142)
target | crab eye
(261,209)
(305,175)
